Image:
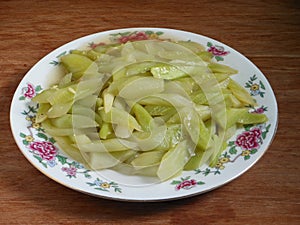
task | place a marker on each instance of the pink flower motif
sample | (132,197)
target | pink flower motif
(29,91)
(249,139)
(138,36)
(93,45)
(133,37)
(257,132)
(124,39)
(45,149)
(187,184)
(71,171)
(218,50)
(259,110)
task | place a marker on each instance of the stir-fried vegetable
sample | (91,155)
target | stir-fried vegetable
(153,107)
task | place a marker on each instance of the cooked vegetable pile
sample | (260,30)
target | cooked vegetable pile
(151,108)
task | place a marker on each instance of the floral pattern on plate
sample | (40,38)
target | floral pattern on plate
(256,86)
(105,186)
(246,144)
(186,183)
(218,51)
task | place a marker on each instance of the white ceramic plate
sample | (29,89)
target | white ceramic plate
(42,152)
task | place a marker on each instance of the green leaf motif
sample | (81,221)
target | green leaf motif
(209,44)
(22,98)
(117,189)
(230,143)
(38,88)
(61,54)
(102,189)
(125,33)
(52,140)
(253,151)
(253,78)
(248,127)
(32,109)
(197,171)
(175,182)
(246,157)
(262,85)
(247,85)
(91,184)
(185,178)
(54,63)
(264,134)
(86,175)
(207,171)
(262,94)
(25,142)
(22,135)
(159,33)
(38,158)
(43,136)
(44,164)
(62,159)
(219,58)
(232,150)
(200,183)
(148,32)
(113,183)
(217,172)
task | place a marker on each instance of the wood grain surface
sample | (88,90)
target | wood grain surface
(267,32)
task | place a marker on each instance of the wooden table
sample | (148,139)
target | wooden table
(267,32)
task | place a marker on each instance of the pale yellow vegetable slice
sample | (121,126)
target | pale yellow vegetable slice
(142,87)
(120,117)
(66,145)
(241,94)
(76,64)
(153,138)
(109,145)
(108,100)
(58,110)
(105,130)
(142,116)
(173,161)
(44,96)
(148,159)
(104,160)
(42,112)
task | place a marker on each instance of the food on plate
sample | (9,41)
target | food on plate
(151,107)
